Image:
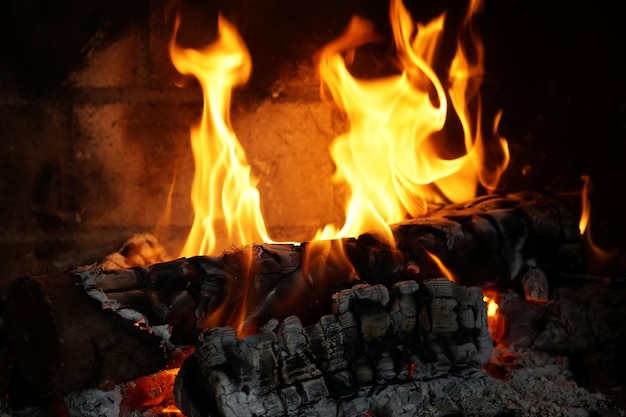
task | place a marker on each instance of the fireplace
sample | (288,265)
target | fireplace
(96,143)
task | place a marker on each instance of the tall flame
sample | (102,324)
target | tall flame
(224,197)
(390,157)
(391,153)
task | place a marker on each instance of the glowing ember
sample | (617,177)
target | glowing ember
(156,390)
(171,409)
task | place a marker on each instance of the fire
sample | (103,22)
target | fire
(390,157)
(444,269)
(597,255)
(225,199)
(492,306)
(494,318)
(586,206)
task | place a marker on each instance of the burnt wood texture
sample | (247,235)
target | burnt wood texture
(515,241)
(64,340)
(375,338)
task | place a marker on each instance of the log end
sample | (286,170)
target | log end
(63,340)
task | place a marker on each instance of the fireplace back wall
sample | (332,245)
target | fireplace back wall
(95,133)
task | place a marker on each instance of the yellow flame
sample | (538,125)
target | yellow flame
(444,269)
(586,205)
(391,152)
(390,157)
(492,306)
(225,200)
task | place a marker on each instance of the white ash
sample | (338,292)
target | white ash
(139,250)
(141,321)
(99,295)
(89,277)
(541,384)
(94,403)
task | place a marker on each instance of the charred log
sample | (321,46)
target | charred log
(374,338)
(516,241)
(63,340)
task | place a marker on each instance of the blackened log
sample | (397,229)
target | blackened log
(63,340)
(495,241)
(374,338)
(517,241)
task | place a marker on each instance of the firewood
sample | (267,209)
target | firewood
(366,342)
(500,242)
(63,340)
(517,241)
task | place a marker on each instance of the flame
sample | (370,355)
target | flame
(598,257)
(492,306)
(586,205)
(494,318)
(444,269)
(225,200)
(390,156)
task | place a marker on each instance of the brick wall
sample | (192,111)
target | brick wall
(92,159)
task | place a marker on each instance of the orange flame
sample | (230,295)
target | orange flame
(225,199)
(171,409)
(586,205)
(599,258)
(389,158)
(391,153)
(444,269)
(494,319)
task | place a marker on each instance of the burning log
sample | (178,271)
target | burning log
(498,242)
(374,338)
